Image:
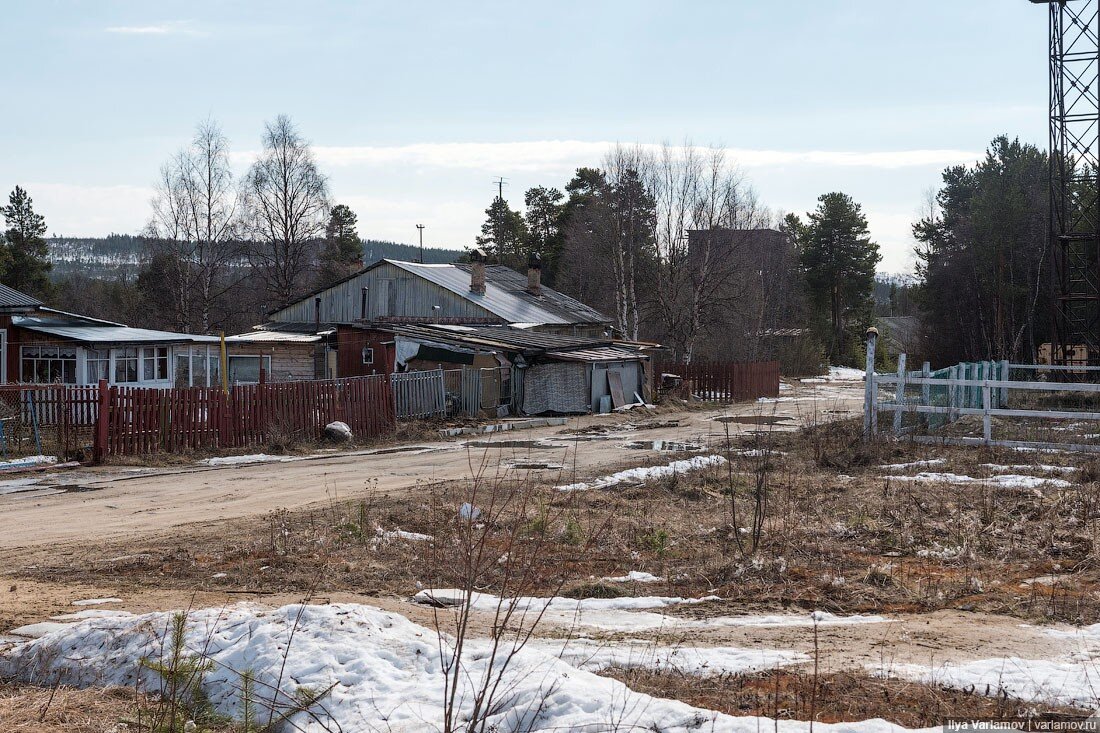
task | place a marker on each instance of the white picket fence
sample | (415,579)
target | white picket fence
(984,390)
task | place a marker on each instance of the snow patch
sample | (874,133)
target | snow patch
(634,576)
(242,460)
(1003,481)
(382,672)
(637,475)
(913,464)
(593,656)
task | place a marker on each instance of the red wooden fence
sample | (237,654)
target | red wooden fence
(718,381)
(141,421)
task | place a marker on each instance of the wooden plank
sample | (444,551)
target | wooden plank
(615,384)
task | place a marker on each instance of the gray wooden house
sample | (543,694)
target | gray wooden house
(476,293)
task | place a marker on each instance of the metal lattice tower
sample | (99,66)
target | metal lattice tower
(1074,166)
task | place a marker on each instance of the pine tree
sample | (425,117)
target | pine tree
(838,260)
(504,235)
(543,217)
(343,251)
(26,253)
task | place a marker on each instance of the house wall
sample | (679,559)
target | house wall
(290,361)
(391,292)
(350,343)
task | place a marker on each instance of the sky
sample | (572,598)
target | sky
(414,109)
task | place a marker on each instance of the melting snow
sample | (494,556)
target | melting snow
(241,460)
(913,464)
(593,656)
(1040,467)
(628,614)
(635,475)
(381,670)
(1004,481)
(634,576)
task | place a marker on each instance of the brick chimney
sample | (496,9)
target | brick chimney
(477,272)
(534,274)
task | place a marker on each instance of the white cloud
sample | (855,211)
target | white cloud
(555,156)
(177,27)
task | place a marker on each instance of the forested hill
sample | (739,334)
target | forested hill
(121,254)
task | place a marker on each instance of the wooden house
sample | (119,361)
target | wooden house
(39,345)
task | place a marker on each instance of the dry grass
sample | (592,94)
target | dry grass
(28,709)
(840,697)
(838,534)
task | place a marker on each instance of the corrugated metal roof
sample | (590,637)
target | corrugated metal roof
(285,337)
(502,336)
(12,298)
(599,353)
(506,295)
(110,334)
(505,338)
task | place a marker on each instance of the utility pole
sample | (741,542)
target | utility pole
(501,182)
(420,229)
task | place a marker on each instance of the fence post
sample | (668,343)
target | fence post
(899,394)
(987,419)
(869,397)
(1006,375)
(99,440)
(926,394)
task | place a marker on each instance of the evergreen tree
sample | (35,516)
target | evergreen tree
(26,257)
(982,257)
(838,262)
(504,235)
(543,218)
(343,251)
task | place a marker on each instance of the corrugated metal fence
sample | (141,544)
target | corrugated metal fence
(719,381)
(419,394)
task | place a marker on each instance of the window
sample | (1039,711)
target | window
(126,364)
(48,364)
(246,369)
(154,363)
(97,365)
(368,355)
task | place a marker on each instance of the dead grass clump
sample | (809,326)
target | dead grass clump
(594,590)
(834,698)
(28,709)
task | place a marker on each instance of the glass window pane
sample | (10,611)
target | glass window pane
(244,369)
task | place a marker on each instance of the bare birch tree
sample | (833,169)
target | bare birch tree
(697,190)
(194,226)
(286,202)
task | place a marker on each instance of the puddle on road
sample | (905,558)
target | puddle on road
(535,466)
(754,419)
(664,445)
(537,444)
(401,449)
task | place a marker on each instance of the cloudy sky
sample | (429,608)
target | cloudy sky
(415,108)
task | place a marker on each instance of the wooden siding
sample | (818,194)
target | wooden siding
(392,292)
(350,343)
(290,362)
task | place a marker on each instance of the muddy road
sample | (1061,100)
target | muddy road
(93,504)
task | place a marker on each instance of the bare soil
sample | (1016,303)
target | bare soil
(804,516)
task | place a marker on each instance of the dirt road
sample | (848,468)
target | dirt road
(91,505)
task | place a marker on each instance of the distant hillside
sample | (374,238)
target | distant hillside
(107,258)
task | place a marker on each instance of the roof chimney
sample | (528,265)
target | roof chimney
(534,274)
(477,272)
